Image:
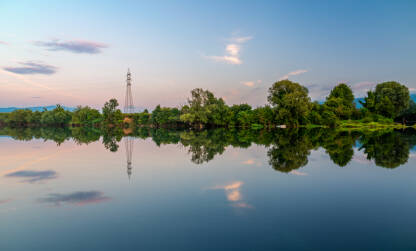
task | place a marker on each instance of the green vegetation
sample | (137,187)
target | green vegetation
(340,102)
(111,115)
(86,116)
(287,150)
(289,106)
(290,103)
(389,99)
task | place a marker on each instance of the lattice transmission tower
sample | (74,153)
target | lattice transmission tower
(128,141)
(128,104)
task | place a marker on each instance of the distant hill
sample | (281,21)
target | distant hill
(51,107)
(35,108)
(357,100)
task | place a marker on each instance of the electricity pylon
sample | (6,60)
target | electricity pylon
(128,105)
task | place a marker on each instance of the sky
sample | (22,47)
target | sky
(78,52)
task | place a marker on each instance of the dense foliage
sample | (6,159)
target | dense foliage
(111,115)
(341,102)
(290,102)
(389,99)
(289,106)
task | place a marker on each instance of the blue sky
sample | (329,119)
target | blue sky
(78,53)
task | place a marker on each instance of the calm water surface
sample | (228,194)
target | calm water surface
(207,191)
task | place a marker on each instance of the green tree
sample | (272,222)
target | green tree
(341,101)
(165,116)
(20,117)
(86,116)
(264,116)
(204,108)
(409,114)
(290,101)
(245,118)
(56,117)
(111,115)
(329,118)
(389,99)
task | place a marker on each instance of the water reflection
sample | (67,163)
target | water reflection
(129,153)
(31,176)
(233,194)
(5,201)
(266,190)
(77,198)
(288,150)
(388,150)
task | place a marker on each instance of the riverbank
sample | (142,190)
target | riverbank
(359,125)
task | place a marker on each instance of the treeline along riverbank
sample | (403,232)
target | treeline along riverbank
(388,105)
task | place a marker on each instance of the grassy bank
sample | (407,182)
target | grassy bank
(362,125)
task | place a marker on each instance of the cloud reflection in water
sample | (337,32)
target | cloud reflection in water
(233,194)
(33,176)
(80,198)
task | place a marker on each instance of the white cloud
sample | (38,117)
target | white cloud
(226,59)
(249,83)
(241,39)
(232,51)
(293,73)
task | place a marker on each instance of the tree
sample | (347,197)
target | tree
(111,115)
(322,115)
(389,99)
(245,118)
(57,116)
(385,107)
(204,108)
(369,102)
(290,101)
(142,118)
(85,116)
(47,118)
(218,112)
(233,112)
(409,114)
(341,101)
(165,115)
(20,117)
(344,92)
(264,116)
(329,118)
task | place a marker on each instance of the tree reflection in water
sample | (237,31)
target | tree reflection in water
(288,149)
(388,149)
